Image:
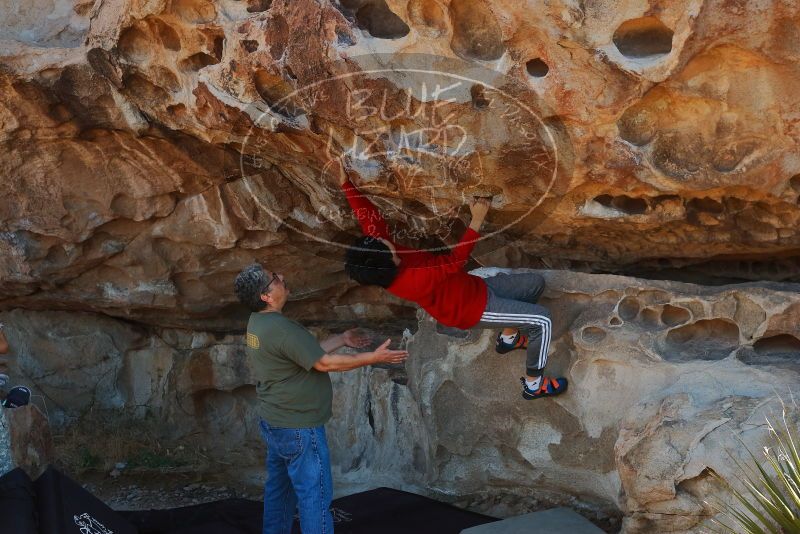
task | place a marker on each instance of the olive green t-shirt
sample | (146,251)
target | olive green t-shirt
(291,393)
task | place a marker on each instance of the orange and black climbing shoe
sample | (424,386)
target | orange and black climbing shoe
(549,387)
(520,342)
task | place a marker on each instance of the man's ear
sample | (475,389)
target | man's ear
(265,297)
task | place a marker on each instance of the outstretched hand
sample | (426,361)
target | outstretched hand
(479,207)
(385,355)
(355,338)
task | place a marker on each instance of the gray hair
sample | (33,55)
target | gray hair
(250,284)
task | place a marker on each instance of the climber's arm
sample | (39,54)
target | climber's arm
(478,209)
(459,254)
(370,219)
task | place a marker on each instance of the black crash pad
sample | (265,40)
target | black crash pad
(383,510)
(55,504)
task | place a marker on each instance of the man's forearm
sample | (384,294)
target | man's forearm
(332,343)
(344,362)
(369,217)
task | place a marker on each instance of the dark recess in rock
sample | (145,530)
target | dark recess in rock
(379,21)
(537,68)
(623,203)
(643,37)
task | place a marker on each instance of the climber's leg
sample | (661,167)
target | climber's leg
(534,322)
(527,287)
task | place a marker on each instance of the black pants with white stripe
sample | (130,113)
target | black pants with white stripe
(512,303)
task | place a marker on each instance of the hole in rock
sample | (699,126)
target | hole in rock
(707,339)
(705,204)
(778,350)
(780,344)
(479,100)
(625,204)
(167,34)
(794,182)
(134,45)
(674,315)
(628,308)
(219,47)
(643,37)
(380,21)
(250,45)
(194,11)
(614,321)
(701,211)
(257,6)
(537,68)
(197,61)
(476,32)
(593,334)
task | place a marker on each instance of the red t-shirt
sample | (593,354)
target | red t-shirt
(435,282)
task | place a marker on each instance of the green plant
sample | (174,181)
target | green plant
(87,460)
(154,460)
(98,440)
(770,503)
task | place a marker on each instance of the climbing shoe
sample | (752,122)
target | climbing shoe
(17,397)
(548,387)
(520,342)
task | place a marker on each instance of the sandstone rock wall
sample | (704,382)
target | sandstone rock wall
(123,125)
(150,149)
(666,378)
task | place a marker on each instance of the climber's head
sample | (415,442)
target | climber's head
(371,261)
(259,289)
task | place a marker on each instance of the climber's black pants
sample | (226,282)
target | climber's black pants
(512,303)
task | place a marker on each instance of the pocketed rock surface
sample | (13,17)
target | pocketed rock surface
(151,148)
(665,379)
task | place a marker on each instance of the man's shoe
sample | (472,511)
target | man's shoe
(549,387)
(520,342)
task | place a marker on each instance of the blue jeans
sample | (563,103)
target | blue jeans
(298,477)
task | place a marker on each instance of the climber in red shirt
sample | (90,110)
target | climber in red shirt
(452,296)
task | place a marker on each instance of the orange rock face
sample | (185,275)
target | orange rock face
(151,149)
